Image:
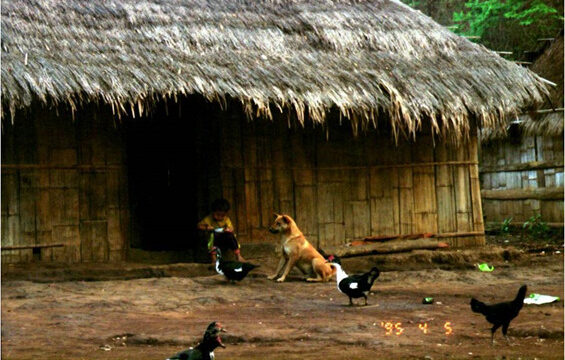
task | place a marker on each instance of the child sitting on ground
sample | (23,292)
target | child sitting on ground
(221,230)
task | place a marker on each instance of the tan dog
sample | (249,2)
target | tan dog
(296,250)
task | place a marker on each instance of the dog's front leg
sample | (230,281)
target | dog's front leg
(279,268)
(289,265)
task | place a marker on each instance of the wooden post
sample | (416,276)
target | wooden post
(475,184)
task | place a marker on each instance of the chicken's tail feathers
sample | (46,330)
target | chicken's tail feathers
(251,266)
(521,293)
(477,306)
(374,274)
(334,268)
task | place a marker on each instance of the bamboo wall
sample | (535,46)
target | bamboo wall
(348,188)
(522,177)
(63,182)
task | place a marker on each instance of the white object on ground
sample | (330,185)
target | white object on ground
(539,299)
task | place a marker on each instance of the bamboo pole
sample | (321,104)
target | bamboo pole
(548,82)
(384,166)
(386,248)
(555,193)
(422,236)
(493,225)
(36,246)
(543,111)
(532,165)
(478,224)
(62,167)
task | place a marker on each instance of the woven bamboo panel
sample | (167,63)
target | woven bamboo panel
(406,192)
(49,197)
(342,189)
(546,153)
(94,241)
(445,192)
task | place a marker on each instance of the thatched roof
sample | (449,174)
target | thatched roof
(545,122)
(373,60)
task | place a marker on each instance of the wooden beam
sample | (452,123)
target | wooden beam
(554,193)
(36,246)
(383,166)
(381,238)
(63,167)
(496,225)
(532,165)
(459,234)
(385,248)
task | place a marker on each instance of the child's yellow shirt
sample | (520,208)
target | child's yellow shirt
(209,220)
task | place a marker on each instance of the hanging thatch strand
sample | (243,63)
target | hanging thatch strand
(374,59)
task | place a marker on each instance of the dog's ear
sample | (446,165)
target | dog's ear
(286,219)
(276,215)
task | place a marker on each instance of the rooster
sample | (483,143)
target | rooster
(502,313)
(205,349)
(355,286)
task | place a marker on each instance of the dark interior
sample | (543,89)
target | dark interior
(172,159)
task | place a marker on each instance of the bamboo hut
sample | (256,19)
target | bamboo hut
(522,164)
(122,120)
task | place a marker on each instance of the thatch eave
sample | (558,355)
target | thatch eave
(550,118)
(364,57)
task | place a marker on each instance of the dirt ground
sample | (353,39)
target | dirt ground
(162,309)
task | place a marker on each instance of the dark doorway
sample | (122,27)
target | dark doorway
(172,165)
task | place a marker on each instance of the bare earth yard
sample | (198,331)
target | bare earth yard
(156,316)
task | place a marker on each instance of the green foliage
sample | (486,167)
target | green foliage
(536,227)
(505,25)
(505,227)
(509,24)
(412,3)
(536,13)
(484,15)
(480,16)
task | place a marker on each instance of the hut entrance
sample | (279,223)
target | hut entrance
(171,166)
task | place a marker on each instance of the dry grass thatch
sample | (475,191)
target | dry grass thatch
(372,60)
(546,123)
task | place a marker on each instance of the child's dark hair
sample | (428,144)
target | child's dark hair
(220,205)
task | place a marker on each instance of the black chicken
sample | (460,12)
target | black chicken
(355,286)
(205,349)
(502,313)
(232,270)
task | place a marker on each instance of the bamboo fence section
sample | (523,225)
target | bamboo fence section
(66,182)
(64,190)
(523,178)
(343,188)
